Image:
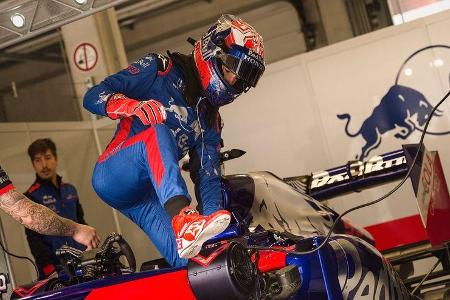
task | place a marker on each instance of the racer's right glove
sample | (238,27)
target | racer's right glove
(150,112)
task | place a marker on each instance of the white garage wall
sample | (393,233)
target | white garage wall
(288,124)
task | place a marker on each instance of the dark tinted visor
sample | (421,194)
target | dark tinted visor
(248,69)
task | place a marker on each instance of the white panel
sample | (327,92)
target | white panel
(354,81)
(276,124)
(279,123)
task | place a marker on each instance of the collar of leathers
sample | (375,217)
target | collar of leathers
(48,181)
(193,90)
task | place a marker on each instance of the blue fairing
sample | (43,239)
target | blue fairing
(346,268)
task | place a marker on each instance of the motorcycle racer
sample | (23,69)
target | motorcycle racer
(168,107)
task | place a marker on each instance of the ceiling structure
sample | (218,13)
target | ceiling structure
(148,25)
(42,18)
(23,19)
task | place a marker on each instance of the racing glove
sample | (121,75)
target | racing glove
(150,112)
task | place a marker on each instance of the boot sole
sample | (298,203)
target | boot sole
(216,226)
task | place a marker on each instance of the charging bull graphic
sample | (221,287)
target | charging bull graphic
(181,113)
(403,109)
(396,110)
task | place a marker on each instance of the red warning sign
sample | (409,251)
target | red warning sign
(85,57)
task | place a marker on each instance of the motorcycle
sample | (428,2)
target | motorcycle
(267,252)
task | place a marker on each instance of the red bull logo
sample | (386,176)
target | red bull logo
(402,109)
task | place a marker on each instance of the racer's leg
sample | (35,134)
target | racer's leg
(135,197)
(155,155)
(135,175)
(148,159)
(120,180)
(163,165)
(151,217)
(191,229)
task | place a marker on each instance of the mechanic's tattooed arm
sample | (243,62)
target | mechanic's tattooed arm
(35,216)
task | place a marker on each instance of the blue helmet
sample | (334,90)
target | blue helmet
(232,43)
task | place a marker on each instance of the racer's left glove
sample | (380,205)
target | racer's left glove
(150,112)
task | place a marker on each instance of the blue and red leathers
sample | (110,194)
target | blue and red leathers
(139,172)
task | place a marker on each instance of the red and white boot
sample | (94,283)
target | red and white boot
(192,229)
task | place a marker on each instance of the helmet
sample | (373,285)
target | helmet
(235,44)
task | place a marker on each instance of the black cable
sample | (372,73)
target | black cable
(21,257)
(327,237)
(425,277)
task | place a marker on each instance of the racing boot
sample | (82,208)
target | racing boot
(192,229)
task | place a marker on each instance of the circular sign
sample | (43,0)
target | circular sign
(85,57)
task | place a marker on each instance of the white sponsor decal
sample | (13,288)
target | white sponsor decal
(357,169)
(103,97)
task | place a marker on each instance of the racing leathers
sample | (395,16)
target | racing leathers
(63,200)
(139,172)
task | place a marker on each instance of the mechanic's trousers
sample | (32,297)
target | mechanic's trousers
(136,176)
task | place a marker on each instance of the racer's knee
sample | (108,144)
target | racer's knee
(107,188)
(101,186)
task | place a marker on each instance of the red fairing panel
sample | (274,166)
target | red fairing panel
(271,260)
(173,285)
(438,219)
(398,232)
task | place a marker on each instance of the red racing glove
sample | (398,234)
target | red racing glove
(150,112)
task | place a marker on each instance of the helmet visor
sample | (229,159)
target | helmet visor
(248,69)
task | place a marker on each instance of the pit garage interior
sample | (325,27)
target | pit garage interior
(328,62)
